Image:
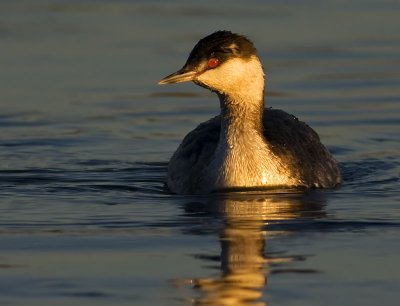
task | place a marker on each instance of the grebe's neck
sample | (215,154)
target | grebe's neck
(239,115)
(243,156)
(242,106)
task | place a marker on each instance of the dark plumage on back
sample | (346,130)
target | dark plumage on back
(291,139)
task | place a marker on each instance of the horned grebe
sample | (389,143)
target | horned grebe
(246,146)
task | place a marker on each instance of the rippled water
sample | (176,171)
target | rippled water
(85,137)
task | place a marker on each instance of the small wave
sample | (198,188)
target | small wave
(367,169)
(147,178)
(330,225)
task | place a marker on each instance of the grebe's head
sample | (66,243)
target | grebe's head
(223,62)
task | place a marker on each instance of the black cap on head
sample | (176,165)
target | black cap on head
(222,44)
(218,47)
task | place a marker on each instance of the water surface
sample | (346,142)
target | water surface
(86,134)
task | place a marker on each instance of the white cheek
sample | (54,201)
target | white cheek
(237,78)
(225,77)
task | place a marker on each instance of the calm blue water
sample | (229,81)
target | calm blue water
(86,134)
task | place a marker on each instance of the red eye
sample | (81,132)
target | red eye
(213,62)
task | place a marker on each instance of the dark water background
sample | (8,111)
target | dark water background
(85,136)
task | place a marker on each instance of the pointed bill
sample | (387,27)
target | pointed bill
(180,76)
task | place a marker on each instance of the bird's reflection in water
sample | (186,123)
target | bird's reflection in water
(243,240)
